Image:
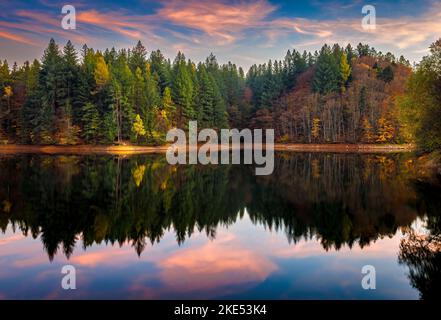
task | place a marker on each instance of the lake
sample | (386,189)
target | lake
(135,227)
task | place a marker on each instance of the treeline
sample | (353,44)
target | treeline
(420,106)
(113,96)
(335,95)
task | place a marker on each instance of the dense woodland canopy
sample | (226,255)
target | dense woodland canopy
(338,94)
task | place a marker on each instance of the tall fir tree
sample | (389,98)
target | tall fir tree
(49,93)
(326,78)
(137,57)
(91,123)
(183,92)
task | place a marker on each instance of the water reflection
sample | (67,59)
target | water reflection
(335,200)
(421,251)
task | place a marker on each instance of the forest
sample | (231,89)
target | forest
(338,94)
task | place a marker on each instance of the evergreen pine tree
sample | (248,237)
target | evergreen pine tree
(183,92)
(91,123)
(138,57)
(205,98)
(153,100)
(49,92)
(387,74)
(326,78)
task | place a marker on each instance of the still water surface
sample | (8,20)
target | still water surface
(137,228)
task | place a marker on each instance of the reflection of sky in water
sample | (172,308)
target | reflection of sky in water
(244,261)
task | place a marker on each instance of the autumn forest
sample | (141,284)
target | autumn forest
(339,94)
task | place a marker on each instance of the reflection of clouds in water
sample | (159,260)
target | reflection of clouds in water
(19,251)
(275,246)
(109,256)
(201,265)
(213,265)
(14,238)
(208,269)
(242,257)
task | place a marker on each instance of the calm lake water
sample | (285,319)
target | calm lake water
(137,228)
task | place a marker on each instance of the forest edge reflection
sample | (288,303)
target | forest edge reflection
(341,199)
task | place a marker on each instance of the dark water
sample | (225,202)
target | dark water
(135,227)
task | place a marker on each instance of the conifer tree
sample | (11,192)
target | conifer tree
(137,58)
(91,123)
(387,74)
(326,78)
(160,69)
(183,92)
(153,100)
(49,93)
(206,98)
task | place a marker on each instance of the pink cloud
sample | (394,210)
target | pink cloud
(39,26)
(108,255)
(219,26)
(217,19)
(402,32)
(11,239)
(214,264)
(122,23)
(16,37)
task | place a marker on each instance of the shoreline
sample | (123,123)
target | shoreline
(134,149)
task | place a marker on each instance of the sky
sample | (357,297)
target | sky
(244,32)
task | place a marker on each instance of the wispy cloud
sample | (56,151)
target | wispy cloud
(16,37)
(407,35)
(124,24)
(220,20)
(233,28)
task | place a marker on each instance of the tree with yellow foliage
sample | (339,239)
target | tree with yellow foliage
(101,73)
(368,135)
(138,174)
(386,130)
(420,106)
(138,127)
(8,94)
(315,130)
(345,71)
(168,107)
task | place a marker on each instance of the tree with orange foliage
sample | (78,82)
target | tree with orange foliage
(368,134)
(386,130)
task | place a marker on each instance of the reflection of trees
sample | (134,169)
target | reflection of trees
(341,199)
(422,252)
